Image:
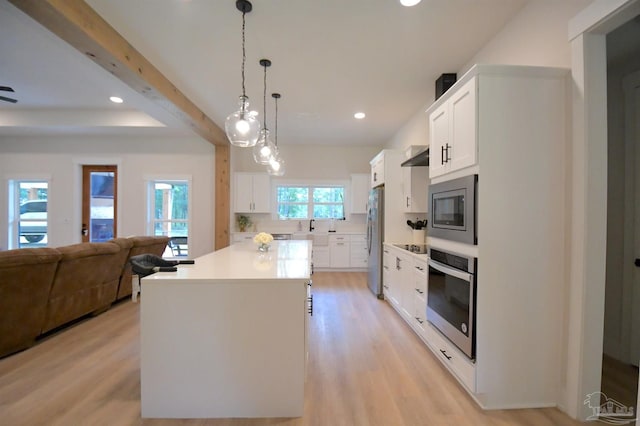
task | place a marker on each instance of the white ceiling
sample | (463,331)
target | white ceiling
(330,58)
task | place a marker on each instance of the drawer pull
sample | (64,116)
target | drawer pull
(419,291)
(419,320)
(445,354)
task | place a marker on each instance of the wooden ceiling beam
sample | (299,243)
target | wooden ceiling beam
(78,24)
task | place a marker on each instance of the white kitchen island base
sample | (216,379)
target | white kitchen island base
(226,337)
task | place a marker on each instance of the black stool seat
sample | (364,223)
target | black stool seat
(146,264)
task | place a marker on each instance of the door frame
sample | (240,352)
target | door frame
(587,215)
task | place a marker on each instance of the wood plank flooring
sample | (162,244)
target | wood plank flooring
(366,367)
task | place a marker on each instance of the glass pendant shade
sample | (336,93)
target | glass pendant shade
(264,150)
(276,167)
(242,127)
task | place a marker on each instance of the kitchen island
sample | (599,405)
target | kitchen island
(226,337)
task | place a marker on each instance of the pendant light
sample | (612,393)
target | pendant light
(276,164)
(263,150)
(242,127)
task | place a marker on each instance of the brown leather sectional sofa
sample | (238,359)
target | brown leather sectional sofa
(44,288)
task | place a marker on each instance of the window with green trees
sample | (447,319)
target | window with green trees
(169,208)
(310,202)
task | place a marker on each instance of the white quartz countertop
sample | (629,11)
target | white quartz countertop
(286,259)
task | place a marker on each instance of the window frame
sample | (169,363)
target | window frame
(310,185)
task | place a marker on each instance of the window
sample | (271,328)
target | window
(169,212)
(28,213)
(310,202)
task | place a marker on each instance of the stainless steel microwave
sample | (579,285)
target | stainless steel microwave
(453,209)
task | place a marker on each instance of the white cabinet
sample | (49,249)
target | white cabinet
(452,358)
(520,120)
(239,237)
(252,193)
(360,186)
(377,170)
(340,251)
(453,131)
(359,255)
(320,256)
(415,185)
(420,277)
(390,275)
(386,272)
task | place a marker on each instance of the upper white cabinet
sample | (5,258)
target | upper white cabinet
(252,193)
(453,131)
(360,186)
(377,170)
(415,185)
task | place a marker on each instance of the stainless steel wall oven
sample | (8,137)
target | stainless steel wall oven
(451,297)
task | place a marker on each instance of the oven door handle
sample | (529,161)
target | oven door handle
(465,276)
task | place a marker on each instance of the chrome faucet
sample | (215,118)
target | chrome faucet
(311,228)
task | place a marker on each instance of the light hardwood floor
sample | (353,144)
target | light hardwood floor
(366,367)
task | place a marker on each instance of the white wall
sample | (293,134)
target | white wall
(313,161)
(61,157)
(537,35)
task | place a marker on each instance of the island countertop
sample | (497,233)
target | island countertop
(286,259)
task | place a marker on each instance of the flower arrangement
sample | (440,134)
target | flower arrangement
(263,240)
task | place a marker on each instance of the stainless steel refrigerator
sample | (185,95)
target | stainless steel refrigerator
(375,232)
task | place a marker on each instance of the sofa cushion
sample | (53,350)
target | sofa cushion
(26,276)
(86,281)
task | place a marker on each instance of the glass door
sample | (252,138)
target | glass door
(99,202)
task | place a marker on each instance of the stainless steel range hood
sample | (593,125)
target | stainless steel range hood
(420,159)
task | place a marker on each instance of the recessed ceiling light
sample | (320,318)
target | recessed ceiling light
(409,3)
(359,115)
(116,100)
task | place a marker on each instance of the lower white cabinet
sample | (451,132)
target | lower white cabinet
(359,255)
(340,251)
(420,274)
(451,357)
(320,256)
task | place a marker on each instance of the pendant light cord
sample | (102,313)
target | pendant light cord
(276,135)
(264,99)
(244,55)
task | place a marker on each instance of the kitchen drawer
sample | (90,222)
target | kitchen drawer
(338,238)
(456,361)
(420,269)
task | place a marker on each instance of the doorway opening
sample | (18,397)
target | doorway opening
(621,342)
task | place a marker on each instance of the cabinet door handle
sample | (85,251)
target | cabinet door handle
(375,176)
(442,154)
(448,157)
(445,354)
(407,201)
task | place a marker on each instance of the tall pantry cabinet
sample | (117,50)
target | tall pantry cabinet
(508,125)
